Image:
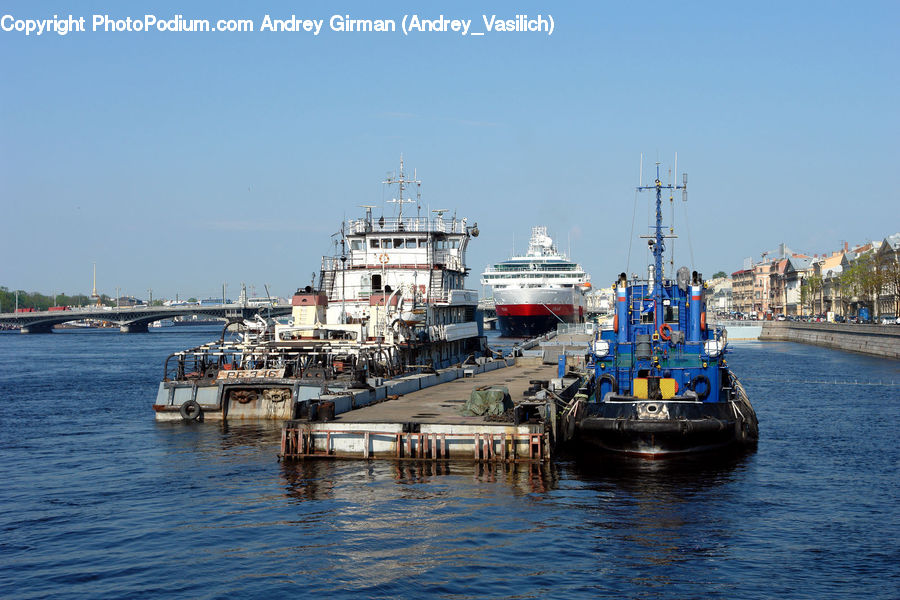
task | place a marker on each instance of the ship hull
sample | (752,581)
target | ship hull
(670,429)
(531,312)
(530,326)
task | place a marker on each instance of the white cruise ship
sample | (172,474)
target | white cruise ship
(533,293)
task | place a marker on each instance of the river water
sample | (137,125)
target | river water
(100,501)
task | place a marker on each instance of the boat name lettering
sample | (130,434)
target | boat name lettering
(250,374)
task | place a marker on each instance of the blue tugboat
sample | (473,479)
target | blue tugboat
(662,386)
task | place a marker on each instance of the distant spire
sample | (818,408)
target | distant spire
(94,295)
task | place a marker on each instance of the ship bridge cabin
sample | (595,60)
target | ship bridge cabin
(414,263)
(425,258)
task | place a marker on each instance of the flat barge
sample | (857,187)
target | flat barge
(428,425)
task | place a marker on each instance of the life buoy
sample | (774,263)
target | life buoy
(190,410)
(383,258)
(663,329)
(613,383)
(702,380)
(703,321)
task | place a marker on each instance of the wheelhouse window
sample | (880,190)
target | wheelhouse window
(374,243)
(671,314)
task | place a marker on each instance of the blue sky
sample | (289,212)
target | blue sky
(180,161)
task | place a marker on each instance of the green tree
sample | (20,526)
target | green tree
(862,281)
(718,274)
(809,288)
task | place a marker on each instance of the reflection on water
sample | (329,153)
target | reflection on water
(253,433)
(658,511)
(705,469)
(315,479)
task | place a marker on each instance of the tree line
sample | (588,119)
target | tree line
(39,301)
(863,282)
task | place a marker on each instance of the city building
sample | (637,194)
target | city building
(719,296)
(742,291)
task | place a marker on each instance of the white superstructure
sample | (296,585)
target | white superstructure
(535,291)
(398,281)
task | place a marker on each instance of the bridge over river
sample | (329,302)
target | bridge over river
(133,319)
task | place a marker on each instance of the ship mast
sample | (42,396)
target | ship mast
(401,182)
(658,242)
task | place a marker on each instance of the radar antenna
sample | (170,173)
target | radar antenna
(402,182)
(657,241)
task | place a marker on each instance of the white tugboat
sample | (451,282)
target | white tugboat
(390,301)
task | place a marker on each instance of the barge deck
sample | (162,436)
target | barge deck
(427,424)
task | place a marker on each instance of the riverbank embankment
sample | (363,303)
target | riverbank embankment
(876,340)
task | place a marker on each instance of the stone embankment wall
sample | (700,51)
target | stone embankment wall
(877,340)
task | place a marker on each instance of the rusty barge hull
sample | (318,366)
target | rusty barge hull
(263,396)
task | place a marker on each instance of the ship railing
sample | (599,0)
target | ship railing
(575,272)
(207,361)
(395,224)
(564,328)
(392,258)
(202,361)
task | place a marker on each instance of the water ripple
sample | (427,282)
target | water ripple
(100,501)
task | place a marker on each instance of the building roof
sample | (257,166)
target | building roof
(800,263)
(833,261)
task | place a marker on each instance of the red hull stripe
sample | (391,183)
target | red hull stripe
(534,310)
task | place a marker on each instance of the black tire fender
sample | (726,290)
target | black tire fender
(191,411)
(704,381)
